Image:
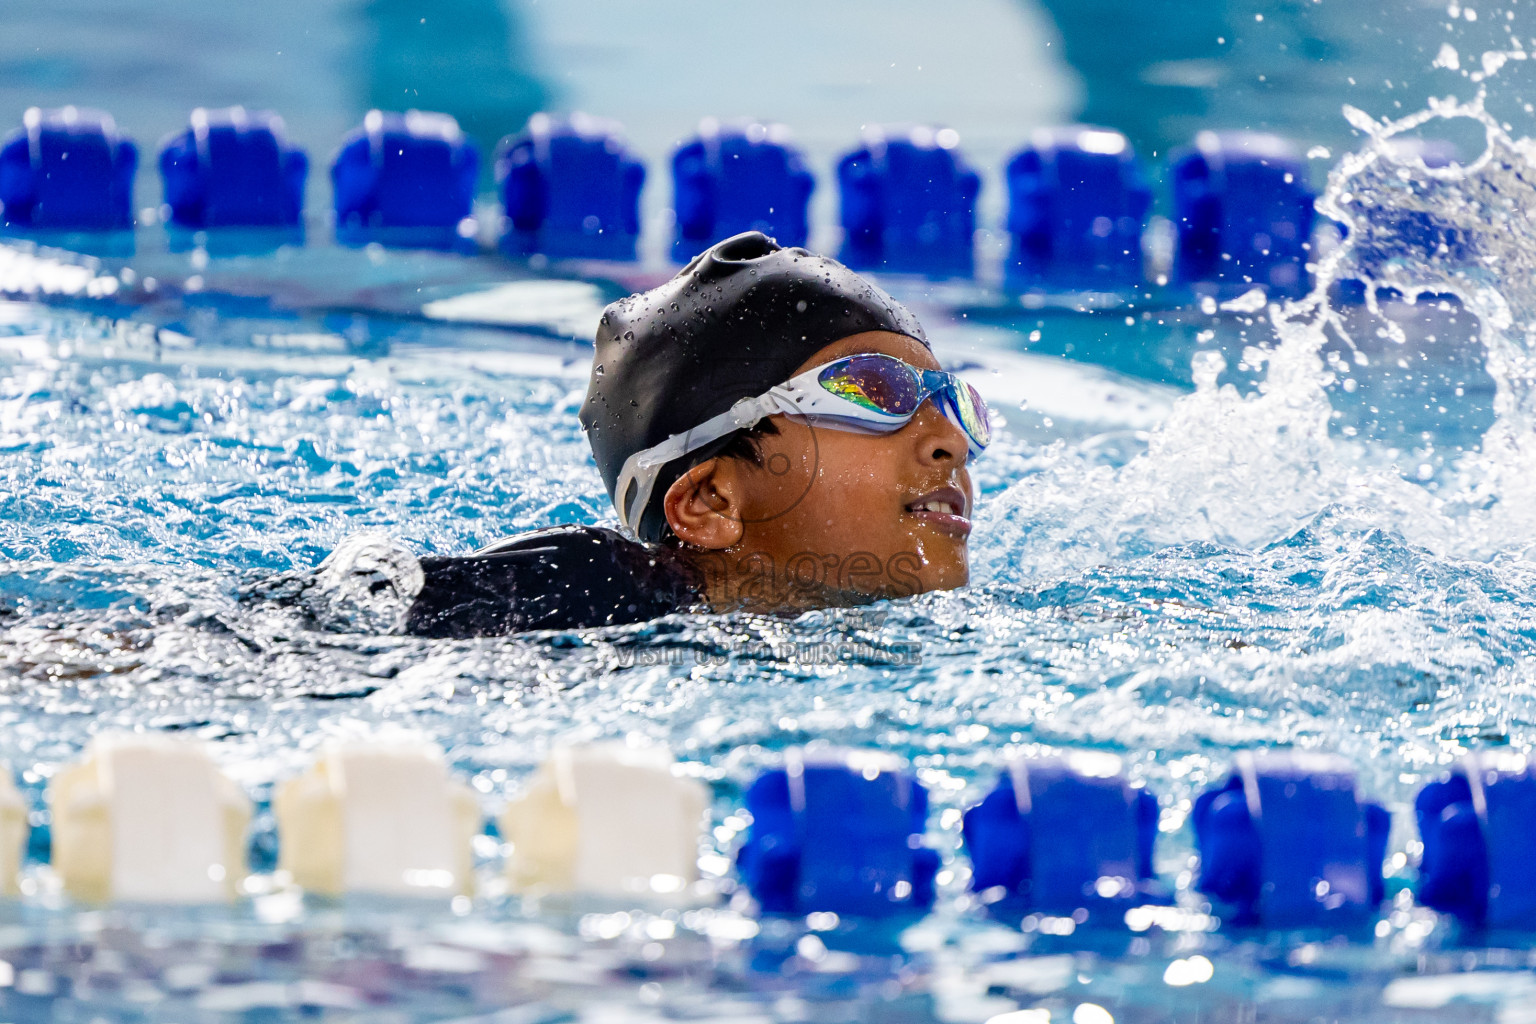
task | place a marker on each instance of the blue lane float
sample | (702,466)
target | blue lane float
(67,170)
(839,833)
(231,168)
(909,203)
(1078,201)
(1243,211)
(570,188)
(1478,825)
(1077,209)
(735,178)
(411,174)
(1061,833)
(1286,841)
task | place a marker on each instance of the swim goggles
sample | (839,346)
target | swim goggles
(869,394)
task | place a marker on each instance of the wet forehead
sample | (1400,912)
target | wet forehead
(884,342)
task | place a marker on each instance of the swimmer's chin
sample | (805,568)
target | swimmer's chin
(756,596)
(953,577)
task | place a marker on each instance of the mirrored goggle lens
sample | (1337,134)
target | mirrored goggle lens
(874,382)
(974,419)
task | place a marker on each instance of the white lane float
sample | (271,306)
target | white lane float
(382,816)
(13,832)
(609,820)
(147,818)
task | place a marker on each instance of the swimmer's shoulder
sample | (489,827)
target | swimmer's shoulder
(554,539)
(563,577)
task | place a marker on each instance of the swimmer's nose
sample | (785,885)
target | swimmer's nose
(940,441)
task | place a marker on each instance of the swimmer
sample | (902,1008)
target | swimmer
(775,434)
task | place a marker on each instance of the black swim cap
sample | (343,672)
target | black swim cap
(738,320)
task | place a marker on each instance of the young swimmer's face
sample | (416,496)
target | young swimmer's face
(829,511)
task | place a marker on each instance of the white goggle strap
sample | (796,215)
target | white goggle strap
(641,469)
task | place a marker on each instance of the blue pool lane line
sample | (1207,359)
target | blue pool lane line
(1478,824)
(1059,834)
(569,188)
(1078,202)
(840,834)
(406,179)
(1286,841)
(1243,211)
(732,178)
(67,169)
(231,168)
(909,204)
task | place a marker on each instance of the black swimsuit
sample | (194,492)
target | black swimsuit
(567,577)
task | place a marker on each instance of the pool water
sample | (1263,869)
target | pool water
(1202,530)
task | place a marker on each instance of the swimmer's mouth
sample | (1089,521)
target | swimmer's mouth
(944,508)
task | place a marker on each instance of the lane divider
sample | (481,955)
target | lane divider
(735,177)
(231,168)
(67,170)
(1243,211)
(1078,203)
(909,203)
(569,187)
(1061,833)
(1285,840)
(382,817)
(1478,824)
(840,833)
(405,178)
(148,819)
(607,820)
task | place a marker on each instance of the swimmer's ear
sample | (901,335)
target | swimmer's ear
(703,506)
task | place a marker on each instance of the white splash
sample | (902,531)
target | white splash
(1247,470)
